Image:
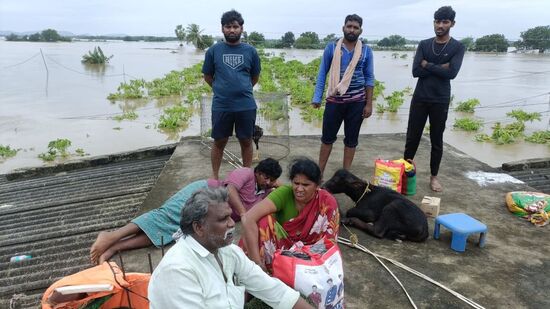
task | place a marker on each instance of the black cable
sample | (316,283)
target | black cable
(97,116)
(123,287)
(500,78)
(79,72)
(20,63)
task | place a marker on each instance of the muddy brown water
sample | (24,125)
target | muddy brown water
(68,100)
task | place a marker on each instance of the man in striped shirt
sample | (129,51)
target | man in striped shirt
(349,64)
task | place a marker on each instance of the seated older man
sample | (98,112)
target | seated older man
(205,270)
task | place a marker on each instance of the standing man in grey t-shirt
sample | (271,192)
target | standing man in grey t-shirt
(232,68)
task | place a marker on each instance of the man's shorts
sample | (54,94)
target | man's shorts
(351,114)
(223,123)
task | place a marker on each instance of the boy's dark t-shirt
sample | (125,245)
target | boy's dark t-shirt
(232,67)
(434,82)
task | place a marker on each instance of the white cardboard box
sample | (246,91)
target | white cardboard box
(430,206)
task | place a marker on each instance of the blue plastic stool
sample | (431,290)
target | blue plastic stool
(461,225)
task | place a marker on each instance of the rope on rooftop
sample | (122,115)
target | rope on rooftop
(412,271)
(228,156)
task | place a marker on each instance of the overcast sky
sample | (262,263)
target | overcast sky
(411,19)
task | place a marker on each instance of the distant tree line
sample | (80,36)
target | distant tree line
(147,38)
(537,38)
(48,35)
(51,35)
(126,38)
(306,40)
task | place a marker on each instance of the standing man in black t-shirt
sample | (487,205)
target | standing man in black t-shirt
(436,62)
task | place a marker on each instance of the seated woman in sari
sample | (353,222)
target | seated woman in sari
(291,213)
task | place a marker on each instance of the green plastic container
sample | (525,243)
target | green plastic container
(411,185)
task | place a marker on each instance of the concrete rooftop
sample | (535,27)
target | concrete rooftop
(510,271)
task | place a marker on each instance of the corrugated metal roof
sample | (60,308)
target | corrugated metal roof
(538,178)
(55,219)
(534,172)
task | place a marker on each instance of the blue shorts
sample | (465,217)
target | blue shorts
(351,114)
(223,123)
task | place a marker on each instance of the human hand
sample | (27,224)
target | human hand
(315,105)
(367,111)
(277,184)
(424,63)
(445,65)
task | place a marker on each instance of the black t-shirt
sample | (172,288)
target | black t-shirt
(434,81)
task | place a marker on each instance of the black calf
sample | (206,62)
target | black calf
(379,211)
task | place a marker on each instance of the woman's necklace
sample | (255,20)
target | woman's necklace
(433,46)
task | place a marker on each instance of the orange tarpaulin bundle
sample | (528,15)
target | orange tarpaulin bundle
(131,288)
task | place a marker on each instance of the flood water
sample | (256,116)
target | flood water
(50,95)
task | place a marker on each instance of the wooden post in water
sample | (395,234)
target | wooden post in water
(47,71)
(44,60)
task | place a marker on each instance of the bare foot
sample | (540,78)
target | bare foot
(102,243)
(106,255)
(435,185)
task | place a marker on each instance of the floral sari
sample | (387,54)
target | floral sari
(318,219)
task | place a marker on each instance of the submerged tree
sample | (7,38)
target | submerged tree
(35,37)
(256,38)
(287,40)
(468,43)
(180,34)
(50,35)
(12,37)
(194,35)
(392,41)
(96,57)
(536,38)
(307,40)
(207,41)
(329,38)
(492,43)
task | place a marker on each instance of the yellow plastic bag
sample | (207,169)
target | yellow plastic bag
(389,174)
(409,167)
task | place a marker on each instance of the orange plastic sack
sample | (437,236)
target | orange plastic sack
(389,174)
(135,286)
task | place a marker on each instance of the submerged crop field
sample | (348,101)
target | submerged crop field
(150,93)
